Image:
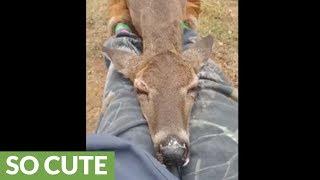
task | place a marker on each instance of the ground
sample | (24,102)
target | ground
(219,18)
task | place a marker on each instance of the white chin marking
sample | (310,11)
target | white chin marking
(186,163)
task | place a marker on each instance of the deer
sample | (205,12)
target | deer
(163,75)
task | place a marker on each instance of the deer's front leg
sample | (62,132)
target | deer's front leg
(117,12)
(192,13)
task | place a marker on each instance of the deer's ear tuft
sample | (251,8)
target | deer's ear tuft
(125,62)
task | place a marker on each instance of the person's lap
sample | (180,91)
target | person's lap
(213,122)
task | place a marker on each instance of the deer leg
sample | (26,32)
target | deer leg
(117,12)
(192,13)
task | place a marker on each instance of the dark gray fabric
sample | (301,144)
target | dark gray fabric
(213,123)
(131,162)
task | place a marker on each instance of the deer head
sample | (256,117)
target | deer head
(166,86)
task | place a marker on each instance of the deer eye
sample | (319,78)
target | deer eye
(141,87)
(141,91)
(193,91)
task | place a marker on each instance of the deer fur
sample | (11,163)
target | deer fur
(164,76)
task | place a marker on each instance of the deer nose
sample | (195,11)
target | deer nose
(174,152)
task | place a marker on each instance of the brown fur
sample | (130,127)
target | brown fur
(119,12)
(164,76)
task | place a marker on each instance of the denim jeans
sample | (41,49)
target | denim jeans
(213,121)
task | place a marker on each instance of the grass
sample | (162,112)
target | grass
(219,18)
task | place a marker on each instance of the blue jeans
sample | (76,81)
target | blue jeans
(213,123)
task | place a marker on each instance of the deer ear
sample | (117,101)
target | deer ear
(199,52)
(125,62)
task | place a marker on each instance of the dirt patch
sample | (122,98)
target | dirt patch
(96,71)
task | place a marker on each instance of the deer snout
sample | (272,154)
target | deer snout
(174,151)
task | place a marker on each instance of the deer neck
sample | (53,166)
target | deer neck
(160,26)
(162,37)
